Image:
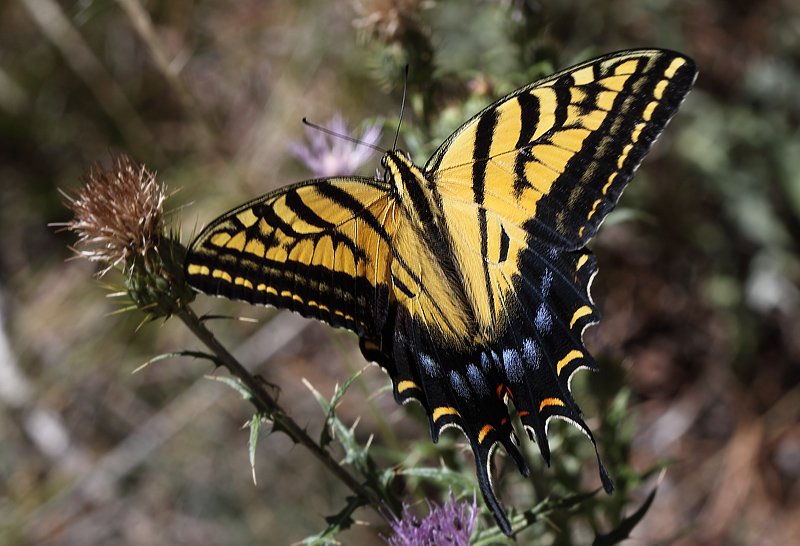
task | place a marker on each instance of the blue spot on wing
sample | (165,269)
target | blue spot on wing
(431,366)
(477,380)
(513,365)
(532,353)
(459,385)
(543,320)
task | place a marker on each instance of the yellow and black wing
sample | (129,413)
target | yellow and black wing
(339,250)
(522,187)
(515,194)
(468,280)
(320,248)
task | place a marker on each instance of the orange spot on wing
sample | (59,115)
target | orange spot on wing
(550,402)
(442,411)
(484,431)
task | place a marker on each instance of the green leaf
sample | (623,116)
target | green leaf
(235,384)
(563,503)
(255,428)
(440,474)
(330,417)
(193,354)
(623,530)
(377,478)
(333,426)
(336,523)
(539,512)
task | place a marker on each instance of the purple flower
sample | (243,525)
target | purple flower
(327,155)
(448,525)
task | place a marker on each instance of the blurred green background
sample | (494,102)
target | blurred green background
(698,281)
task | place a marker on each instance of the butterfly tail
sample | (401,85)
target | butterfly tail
(540,355)
(455,388)
(483,467)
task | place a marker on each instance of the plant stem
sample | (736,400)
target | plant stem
(266,404)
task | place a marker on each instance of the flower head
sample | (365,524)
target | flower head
(118,213)
(448,525)
(119,219)
(327,155)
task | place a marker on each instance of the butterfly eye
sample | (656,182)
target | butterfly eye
(386,175)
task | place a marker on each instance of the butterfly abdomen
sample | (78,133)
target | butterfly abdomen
(425,255)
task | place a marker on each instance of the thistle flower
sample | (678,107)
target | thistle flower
(118,214)
(448,525)
(327,155)
(119,220)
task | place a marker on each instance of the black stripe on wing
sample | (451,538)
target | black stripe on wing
(315,248)
(593,180)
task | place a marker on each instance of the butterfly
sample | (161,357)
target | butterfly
(467,280)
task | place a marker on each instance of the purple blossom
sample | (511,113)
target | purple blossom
(327,155)
(448,525)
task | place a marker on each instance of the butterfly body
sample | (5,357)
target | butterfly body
(467,280)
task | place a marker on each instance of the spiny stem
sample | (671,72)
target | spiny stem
(265,403)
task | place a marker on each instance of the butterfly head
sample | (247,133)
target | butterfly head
(410,186)
(392,162)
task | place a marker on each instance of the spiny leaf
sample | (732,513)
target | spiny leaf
(235,384)
(194,354)
(341,390)
(332,424)
(550,504)
(357,455)
(440,474)
(336,524)
(255,428)
(623,530)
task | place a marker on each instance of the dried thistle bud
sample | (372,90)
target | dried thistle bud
(118,214)
(119,220)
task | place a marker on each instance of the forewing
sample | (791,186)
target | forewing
(554,156)
(321,248)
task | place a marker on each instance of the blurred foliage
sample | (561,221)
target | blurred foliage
(699,348)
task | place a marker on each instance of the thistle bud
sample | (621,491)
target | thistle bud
(119,220)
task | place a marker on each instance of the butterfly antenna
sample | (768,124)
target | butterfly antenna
(343,137)
(402,107)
